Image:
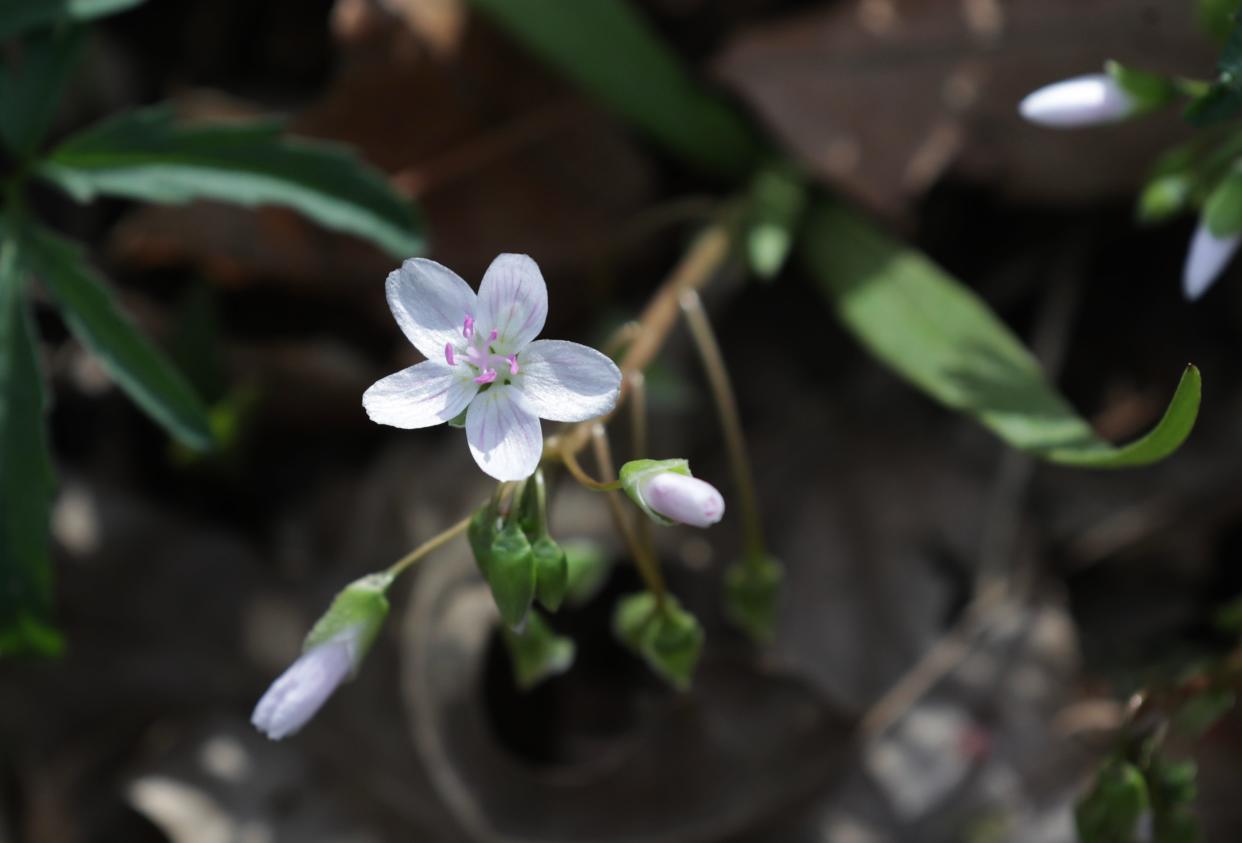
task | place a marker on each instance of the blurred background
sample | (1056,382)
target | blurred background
(185,583)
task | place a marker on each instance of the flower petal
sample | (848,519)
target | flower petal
(504,436)
(303,688)
(513,301)
(430,303)
(1206,260)
(426,393)
(565,381)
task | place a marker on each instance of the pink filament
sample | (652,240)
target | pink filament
(513,366)
(488,376)
(448,353)
(468,330)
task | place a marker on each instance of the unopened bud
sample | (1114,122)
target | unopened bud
(669,494)
(1090,100)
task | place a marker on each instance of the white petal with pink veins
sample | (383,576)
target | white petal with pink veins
(430,303)
(565,381)
(513,301)
(426,393)
(504,436)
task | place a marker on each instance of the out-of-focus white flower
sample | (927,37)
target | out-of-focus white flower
(1089,100)
(686,500)
(1206,259)
(667,492)
(333,651)
(482,357)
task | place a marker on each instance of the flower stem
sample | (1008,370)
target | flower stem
(644,559)
(579,473)
(730,422)
(433,543)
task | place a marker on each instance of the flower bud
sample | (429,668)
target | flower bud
(551,572)
(510,573)
(333,650)
(1207,258)
(1090,100)
(667,492)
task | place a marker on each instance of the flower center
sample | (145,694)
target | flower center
(477,353)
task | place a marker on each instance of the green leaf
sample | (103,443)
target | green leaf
(941,337)
(752,587)
(30,89)
(1112,808)
(146,155)
(21,16)
(134,363)
(26,476)
(537,652)
(1223,98)
(668,637)
(607,48)
(778,198)
(511,574)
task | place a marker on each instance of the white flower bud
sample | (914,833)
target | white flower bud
(687,500)
(332,653)
(1090,100)
(1206,259)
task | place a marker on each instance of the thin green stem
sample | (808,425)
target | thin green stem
(730,422)
(644,559)
(579,474)
(432,544)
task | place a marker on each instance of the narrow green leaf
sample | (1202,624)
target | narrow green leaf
(938,335)
(21,16)
(134,363)
(609,50)
(26,476)
(147,155)
(30,88)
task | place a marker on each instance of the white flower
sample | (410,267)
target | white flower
(482,357)
(686,500)
(305,686)
(1206,259)
(1082,101)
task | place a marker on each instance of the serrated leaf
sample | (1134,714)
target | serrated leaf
(607,48)
(938,335)
(537,653)
(18,17)
(31,86)
(137,366)
(26,475)
(147,155)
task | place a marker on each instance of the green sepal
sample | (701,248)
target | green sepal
(587,569)
(481,533)
(751,591)
(458,421)
(511,574)
(635,472)
(537,652)
(1112,808)
(667,637)
(1147,90)
(551,572)
(361,607)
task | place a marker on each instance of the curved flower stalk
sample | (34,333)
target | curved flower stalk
(1206,260)
(483,359)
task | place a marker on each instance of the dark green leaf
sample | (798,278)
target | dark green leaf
(1112,808)
(26,477)
(135,364)
(21,16)
(511,574)
(610,51)
(937,334)
(147,155)
(668,637)
(537,652)
(31,87)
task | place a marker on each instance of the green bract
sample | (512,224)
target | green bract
(358,610)
(634,472)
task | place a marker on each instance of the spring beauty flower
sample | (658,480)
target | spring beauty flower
(332,653)
(1089,100)
(669,494)
(483,358)
(1206,259)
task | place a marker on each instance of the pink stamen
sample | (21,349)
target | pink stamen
(468,330)
(487,377)
(513,366)
(492,336)
(448,353)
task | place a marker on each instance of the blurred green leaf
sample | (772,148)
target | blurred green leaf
(1186,175)
(1223,98)
(588,569)
(26,476)
(31,87)
(1173,787)
(1217,16)
(136,365)
(1202,711)
(1112,808)
(20,16)
(1223,210)
(751,591)
(938,335)
(668,637)
(608,49)
(778,197)
(147,155)
(537,652)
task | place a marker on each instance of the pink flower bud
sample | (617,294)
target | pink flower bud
(687,500)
